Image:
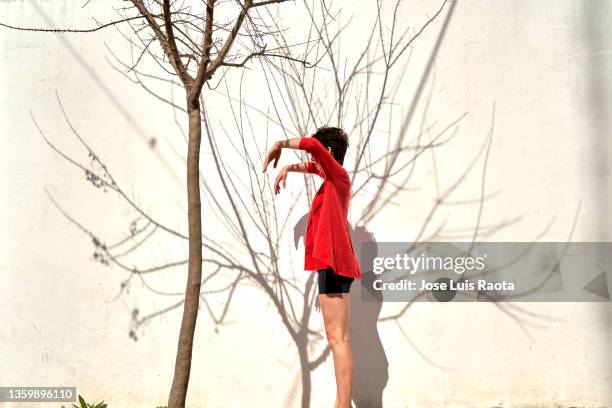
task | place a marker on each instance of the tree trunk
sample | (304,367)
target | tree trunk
(182,368)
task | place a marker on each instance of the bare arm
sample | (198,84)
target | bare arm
(331,168)
(275,151)
(290,143)
(298,168)
(328,164)
(281,177)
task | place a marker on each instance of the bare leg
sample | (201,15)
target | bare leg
(335,308)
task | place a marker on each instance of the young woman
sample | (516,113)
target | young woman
(329,249)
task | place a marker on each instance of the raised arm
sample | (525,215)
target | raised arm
(281,177)
(298,167)
(276,149)
(330,166)
(306,167)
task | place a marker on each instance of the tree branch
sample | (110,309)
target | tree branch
(178,65)
(230,39)
(265,3)
(206,46)
(163,41)
(69,30)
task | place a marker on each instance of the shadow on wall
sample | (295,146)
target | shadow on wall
(369,359)
(370,364)
(596,30)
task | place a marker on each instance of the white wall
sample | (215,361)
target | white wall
(545,65)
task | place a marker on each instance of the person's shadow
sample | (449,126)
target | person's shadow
(370,364)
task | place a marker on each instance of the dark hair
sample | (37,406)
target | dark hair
(335,138)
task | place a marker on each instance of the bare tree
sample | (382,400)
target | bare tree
(359,97)
(192,44)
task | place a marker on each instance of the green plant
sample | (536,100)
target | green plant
(83,404)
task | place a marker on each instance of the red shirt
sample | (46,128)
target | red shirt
(328,242)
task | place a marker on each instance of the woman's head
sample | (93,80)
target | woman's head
(335,139)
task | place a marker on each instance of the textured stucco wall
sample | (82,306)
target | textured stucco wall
(547,67)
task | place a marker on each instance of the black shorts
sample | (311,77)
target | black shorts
(331,282)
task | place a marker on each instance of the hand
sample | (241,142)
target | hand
(281,177)
(273,154)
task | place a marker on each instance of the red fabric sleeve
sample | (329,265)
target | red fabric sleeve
(312,168)
(331,167)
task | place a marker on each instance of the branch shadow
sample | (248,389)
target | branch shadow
(370,363)
(371,366)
